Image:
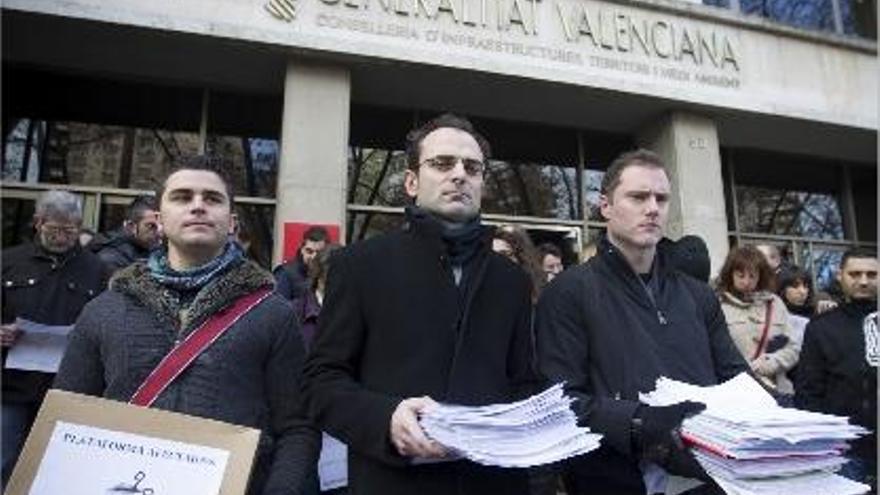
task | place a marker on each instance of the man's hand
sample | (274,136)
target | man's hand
(9,334)
(659,440)
(406,433)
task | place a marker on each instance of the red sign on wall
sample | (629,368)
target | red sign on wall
(293,234)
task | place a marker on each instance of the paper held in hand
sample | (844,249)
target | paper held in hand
(751,446)
(539,430)
(82,444)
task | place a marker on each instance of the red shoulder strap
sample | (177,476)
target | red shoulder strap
(185,352)
(763,342)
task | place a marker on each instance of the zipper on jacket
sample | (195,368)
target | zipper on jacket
(661,318)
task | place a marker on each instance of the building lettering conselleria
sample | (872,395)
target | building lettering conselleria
(581,23)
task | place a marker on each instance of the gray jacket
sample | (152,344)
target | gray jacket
(249,376)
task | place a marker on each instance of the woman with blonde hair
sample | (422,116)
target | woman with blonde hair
(757,318)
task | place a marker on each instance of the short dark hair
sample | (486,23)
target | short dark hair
(746,258)
(208,163)
(857,252)
(416,136)
(138,206)
(549,248)
(639,157)
(315,233)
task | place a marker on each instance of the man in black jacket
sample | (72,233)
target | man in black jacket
(47,281)
(291,277)
(422,314)
(137,237)
(611,327)
(837,372)
(248,376)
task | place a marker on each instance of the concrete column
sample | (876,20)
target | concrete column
(313,168)
(688,144)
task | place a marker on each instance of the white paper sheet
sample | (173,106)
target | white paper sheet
(751,446)
(85,459)
(333,463)
(812,484)
(39,347)
(539,430)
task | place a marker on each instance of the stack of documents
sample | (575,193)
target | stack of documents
(539,430)
(750,445)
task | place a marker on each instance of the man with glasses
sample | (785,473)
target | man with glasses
(137,237)
(46,281)
(424,314)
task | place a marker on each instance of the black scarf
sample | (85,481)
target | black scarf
(462,241)
(804,310)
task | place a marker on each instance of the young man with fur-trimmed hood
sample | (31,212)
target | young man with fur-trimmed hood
(248,376)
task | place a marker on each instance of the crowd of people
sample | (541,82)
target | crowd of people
(358,341)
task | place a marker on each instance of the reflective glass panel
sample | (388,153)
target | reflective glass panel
(592,191)
(375,177)
(781,212)
(527,189)
(859,18)
(366,225)
(17,221)
(254,231)
(127,157)
(808,14)
(253,163)
(823,263)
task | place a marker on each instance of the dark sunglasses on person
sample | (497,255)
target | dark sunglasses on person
(445,163)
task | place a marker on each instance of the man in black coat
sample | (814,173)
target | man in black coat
(249,375)
(137,237)
(46,281)
(422,314)
(609,328)
(837,372)
(291,277)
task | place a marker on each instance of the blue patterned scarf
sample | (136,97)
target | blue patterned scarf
(194,278)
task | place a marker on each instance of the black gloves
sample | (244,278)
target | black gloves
(776,343)
(655,438)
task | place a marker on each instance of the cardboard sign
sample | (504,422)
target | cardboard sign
(83,444)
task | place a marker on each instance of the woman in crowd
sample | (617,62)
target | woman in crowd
(796,291)
(515,244)
(757,318)
(307,309)
(308,306)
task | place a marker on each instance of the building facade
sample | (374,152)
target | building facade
(766,111)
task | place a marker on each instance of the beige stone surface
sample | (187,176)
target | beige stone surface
(688,143)
(689,56)
(314,148)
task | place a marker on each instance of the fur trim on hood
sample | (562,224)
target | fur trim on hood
(239,280)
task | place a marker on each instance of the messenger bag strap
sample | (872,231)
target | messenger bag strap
(762,344)
(185,352)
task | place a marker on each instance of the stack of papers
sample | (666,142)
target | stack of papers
(750,445)
(539,430)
